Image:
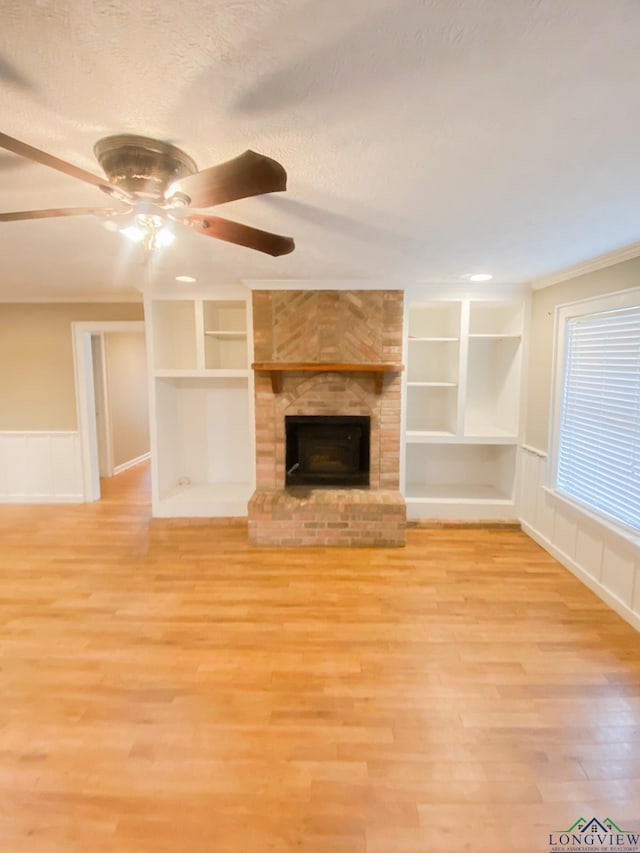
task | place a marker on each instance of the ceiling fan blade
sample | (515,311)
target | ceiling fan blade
(31,153)
(242,235)
(56,211)
(246,175)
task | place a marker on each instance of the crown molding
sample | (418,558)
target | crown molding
(73,298)
(617,256)
(326,284)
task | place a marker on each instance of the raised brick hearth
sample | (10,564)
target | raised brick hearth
(306,516)
(352,327)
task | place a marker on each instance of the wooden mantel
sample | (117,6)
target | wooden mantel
(277,368)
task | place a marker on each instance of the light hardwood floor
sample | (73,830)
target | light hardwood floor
(171,689)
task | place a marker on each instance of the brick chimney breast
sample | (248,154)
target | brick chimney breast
(331,326)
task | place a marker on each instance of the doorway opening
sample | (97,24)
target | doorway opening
(111,399)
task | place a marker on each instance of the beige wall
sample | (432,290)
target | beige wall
(126,364)
(37,390)
(618,277)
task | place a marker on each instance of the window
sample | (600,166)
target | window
(597,413)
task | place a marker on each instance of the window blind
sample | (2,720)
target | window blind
(599,429)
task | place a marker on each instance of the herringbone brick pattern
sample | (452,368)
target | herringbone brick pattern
(354,326)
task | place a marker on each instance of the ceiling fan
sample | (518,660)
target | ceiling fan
(160,185)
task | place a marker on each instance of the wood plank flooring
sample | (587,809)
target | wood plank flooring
(169,689)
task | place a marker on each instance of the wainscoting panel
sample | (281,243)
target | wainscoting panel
(565,531)
(618,572)
(605,561)
(545,514)
(40,467)
(589,549)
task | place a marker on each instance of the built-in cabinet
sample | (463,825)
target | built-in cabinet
(464,362)
(461,406)
(201,405)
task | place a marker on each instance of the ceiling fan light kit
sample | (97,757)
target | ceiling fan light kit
(149,230)
(161,185)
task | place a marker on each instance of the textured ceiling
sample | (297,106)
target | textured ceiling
(424,139)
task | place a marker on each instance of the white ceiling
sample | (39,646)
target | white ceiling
(423,139)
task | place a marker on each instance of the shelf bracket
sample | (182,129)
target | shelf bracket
(276,381)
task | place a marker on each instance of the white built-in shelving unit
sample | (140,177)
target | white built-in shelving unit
(464,362)
(464,357)
(201,404)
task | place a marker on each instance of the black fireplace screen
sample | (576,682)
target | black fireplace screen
(329,450)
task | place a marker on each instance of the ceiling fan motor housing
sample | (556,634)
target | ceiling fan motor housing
(141,165)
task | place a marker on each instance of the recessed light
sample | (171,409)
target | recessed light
(480,276)
(188,279)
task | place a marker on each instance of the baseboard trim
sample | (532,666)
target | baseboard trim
(41,499)
(461,524)
(131,463)
(609,598)
(197,521)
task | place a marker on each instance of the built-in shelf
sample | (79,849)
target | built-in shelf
(462,407)
(495,319)
(201,405)
(414,436)
(214,333)
(444,437)
(456,493)
(430,338)
(486,432)
(276,369)
(432,384)
(433,360)
(460,473)
(435,321)
(206,373)
(225,335)
(496,337)
(174,335)
(431,407)
(205,499)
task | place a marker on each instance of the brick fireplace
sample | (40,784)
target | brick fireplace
(337,354)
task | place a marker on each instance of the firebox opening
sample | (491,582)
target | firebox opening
(327,450)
